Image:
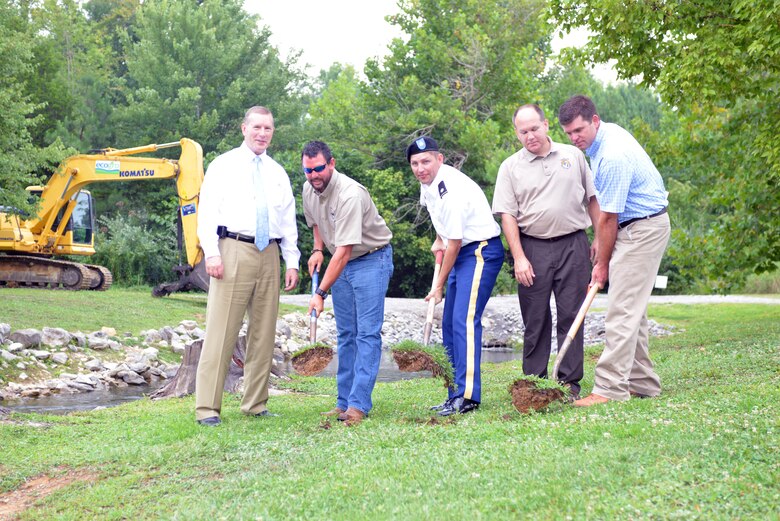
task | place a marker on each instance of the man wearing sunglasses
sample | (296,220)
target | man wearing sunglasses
(345,220)
(246,217)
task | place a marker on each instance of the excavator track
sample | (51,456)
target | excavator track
(100,278)
(21,271)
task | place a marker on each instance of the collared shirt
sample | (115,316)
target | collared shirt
(345,216)
(627,181)
(227,198)
(548,195)
(458,207)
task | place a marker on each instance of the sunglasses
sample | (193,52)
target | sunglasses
(317,169)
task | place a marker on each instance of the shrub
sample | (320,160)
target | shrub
(135,254)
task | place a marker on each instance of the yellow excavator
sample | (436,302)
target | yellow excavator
(65,224)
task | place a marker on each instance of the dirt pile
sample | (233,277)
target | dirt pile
(311,361)
(526,396)
(415,361)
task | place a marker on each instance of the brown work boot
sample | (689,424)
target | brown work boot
(352,416)
(592,399)
(333,412)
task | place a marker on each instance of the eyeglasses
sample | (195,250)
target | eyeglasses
(317,169)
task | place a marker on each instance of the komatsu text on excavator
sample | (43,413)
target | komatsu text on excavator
(65,224)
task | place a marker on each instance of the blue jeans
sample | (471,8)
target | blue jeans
(359,306)
(469,287)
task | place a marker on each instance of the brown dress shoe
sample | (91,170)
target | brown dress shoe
(592,399)
(333,412)
(352,416)
(635,394)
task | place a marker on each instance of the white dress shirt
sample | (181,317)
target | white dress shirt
(458,207)
(227,198)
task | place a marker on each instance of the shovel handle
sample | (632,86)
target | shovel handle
(432,303)
(315,282)
(575,326)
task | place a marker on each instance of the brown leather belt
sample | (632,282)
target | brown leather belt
(374,250)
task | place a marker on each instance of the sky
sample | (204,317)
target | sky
(345,31)
(348,31)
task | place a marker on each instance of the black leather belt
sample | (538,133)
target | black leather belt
(635,219)
(239,237)
(552,239)
(223,233)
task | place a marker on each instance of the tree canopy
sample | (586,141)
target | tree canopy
(718,64)
(123,73)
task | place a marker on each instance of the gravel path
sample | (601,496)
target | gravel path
(504,302)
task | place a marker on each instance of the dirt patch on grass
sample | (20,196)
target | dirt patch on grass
(312,361)
(415,361)
(526,396)
(436,421)
(38,488)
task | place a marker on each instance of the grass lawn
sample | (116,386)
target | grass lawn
(124,309)
(708,448)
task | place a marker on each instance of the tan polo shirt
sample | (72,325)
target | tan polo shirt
(345,215)
(547,195)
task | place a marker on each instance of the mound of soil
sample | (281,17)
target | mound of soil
(415,361)
(312,361)
(526,396)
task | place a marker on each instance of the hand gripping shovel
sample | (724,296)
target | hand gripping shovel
(575,326)
(432,303)
(315,282)
(315,357)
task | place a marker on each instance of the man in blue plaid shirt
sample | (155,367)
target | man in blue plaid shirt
(632,234)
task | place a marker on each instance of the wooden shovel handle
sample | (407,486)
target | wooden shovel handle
(575,326)
(432,302)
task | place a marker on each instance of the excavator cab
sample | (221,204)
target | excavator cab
(78,236)
(82,223)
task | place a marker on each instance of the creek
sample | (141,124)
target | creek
(64,403)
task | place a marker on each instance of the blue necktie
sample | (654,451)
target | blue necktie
(261,228)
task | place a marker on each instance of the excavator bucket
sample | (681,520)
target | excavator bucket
(189,278)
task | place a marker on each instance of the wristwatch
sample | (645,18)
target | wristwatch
(321,293)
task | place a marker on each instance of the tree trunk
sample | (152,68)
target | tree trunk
(183,383)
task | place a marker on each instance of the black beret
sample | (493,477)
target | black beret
(422,144)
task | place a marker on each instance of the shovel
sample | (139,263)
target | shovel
(575,326)
(315,282)
(432,303)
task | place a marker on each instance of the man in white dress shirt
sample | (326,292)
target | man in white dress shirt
(246,215)
(473,254)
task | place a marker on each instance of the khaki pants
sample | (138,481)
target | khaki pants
(250,285)
(625,363)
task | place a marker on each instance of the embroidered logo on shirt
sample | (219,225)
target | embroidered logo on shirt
(442,189)
(565,163)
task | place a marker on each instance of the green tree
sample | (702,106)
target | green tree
(458,75)
(74,78)
(21,161)
(193,69)
(718,63)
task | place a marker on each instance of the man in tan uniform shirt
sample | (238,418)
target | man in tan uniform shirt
(545,195)
(345,220)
